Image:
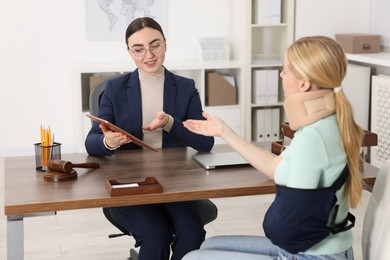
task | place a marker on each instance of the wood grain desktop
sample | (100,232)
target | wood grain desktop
(26,192)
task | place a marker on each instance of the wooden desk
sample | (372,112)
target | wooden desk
(182,179)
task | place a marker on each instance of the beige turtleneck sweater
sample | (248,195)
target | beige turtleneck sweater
(152,96)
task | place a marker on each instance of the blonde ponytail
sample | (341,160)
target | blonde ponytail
(351,135)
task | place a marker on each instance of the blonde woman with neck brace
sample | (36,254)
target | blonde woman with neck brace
(317,176)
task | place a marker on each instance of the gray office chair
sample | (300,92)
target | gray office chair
(209,209)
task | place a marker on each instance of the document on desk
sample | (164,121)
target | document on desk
(213,160)
(114,128)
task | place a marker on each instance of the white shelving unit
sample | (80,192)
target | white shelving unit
(267,44)
(374,59)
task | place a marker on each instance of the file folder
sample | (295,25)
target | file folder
(275,124)
(267,11)
(272,86)
(259,124)
(268,124)
(220,90)
(260,87)
(265,89)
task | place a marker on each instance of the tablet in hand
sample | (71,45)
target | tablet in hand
(114,128)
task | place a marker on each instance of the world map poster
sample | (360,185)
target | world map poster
(108,19)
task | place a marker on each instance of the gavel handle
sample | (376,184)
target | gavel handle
(85,165)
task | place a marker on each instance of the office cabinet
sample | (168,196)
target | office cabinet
(271,31)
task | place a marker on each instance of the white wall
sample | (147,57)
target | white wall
(380,22)
(328,17)
(43,42)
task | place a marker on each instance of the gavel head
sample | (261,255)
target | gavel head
(58,165)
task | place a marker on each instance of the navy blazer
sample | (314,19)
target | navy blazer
(121,105)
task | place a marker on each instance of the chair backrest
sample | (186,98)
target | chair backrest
(376,225)
(95,96)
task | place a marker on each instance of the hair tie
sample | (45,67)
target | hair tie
(337,89)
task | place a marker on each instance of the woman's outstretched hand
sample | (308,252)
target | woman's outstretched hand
(261,159)
(212,126)
(159,121)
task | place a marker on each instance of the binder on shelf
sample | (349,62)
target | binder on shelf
(272,86)
(267,11)
(268,124)
(259,87)
(265,87)
(275,10)
(220,89)
(259,124)
(275,124)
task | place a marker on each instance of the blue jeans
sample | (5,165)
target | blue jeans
(253,248)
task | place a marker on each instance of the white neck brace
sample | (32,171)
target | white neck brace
(304,108)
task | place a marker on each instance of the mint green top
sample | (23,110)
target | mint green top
(314,159)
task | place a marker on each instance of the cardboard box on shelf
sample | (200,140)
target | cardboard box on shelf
(359,42)
(220,90)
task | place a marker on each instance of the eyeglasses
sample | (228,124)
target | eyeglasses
(154,48)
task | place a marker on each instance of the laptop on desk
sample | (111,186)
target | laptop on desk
(213,160)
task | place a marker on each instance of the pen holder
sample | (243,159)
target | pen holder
(44,153)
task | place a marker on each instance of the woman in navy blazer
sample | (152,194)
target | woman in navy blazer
(134,102)
(121,105)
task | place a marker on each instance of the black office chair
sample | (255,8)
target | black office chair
(209,209)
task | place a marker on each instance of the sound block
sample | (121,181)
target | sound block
(53,176)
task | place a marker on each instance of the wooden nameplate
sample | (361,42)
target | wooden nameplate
(53,176)
(126,187)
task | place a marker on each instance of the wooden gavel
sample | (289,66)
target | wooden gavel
(58,165)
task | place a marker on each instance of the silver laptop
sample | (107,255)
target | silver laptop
(213,160)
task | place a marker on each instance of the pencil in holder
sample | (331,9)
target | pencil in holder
(44,153)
